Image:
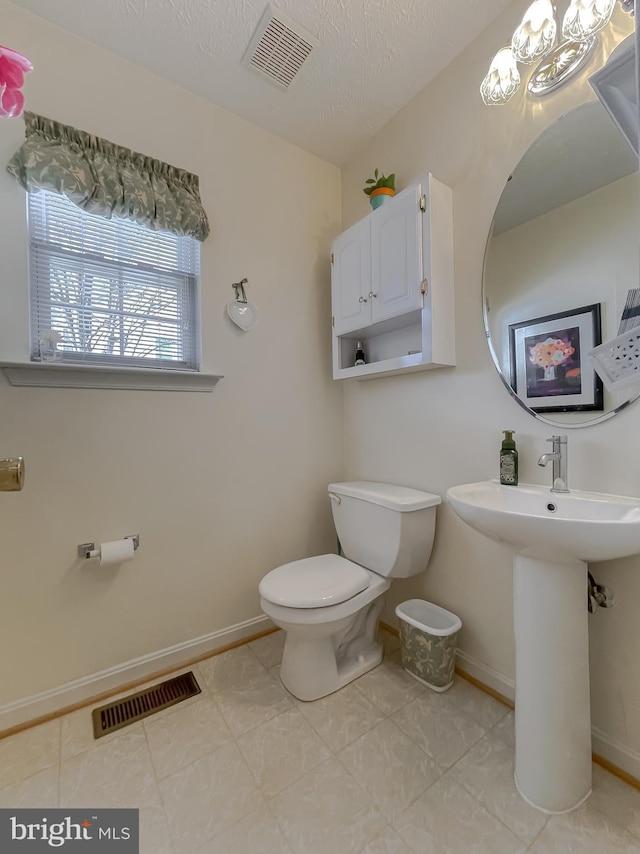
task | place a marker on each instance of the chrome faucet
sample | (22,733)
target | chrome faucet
(558,456)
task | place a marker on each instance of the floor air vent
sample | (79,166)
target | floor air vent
(123,712)
(278,48)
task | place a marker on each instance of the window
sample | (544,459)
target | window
(117,293)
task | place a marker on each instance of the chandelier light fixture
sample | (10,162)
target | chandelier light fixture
(585,18)
(536,35)
(535,40)
(502,80)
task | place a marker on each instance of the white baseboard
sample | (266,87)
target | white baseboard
(138,669)
(487,675)
(604,745)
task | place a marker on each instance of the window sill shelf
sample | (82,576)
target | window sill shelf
(51,375)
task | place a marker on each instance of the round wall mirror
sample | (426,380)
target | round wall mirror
(562,267)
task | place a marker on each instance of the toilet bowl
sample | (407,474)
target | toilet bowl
(329,605)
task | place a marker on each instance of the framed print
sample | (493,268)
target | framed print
(550,371)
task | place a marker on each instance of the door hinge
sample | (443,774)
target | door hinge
(424,284)
(423,202)
(333,320)
(332,257)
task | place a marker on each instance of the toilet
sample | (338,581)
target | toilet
(329,605)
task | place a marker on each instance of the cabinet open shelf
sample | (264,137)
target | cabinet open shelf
(394,346)
(399,365)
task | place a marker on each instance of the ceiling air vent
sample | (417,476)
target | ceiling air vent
(278,48)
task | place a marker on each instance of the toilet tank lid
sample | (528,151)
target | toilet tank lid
(400,498)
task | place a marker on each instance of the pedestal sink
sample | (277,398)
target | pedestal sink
(554,536)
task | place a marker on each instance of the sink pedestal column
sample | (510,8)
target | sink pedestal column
(553,719)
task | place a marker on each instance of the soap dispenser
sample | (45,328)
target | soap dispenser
(509,460)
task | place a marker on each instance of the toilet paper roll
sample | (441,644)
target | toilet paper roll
(117,551)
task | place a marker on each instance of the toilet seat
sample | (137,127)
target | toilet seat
(284,616)
(315,582)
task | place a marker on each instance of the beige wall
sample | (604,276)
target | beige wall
(222,487)
(440,428)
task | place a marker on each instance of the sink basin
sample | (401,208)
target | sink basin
(536,522)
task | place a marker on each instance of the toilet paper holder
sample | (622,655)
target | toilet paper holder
(85,549)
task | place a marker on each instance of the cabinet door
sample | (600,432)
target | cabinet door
(396,264)
(351,278)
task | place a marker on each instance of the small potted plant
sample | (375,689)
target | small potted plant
(380,188)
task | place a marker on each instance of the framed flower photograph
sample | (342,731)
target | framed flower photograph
(550,370)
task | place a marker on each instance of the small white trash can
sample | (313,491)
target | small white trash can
(428,634)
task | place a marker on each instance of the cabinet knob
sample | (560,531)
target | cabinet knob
(371,294)
(362,299)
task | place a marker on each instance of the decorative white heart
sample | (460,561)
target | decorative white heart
(243,314)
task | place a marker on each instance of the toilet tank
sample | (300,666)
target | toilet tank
(385,528)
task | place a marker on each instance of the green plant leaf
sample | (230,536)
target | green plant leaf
(380,180)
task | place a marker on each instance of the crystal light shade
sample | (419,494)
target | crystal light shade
(502,80)
(536,35)
(583,18)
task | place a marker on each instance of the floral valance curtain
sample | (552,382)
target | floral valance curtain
(107,179)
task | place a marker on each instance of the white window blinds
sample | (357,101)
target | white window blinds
(117,292)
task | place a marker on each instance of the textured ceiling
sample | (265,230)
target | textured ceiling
(371,58)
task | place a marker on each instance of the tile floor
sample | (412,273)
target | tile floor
(385,765)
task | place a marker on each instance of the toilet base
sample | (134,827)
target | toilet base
(336,674)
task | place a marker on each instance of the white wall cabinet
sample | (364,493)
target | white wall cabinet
(392,286)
